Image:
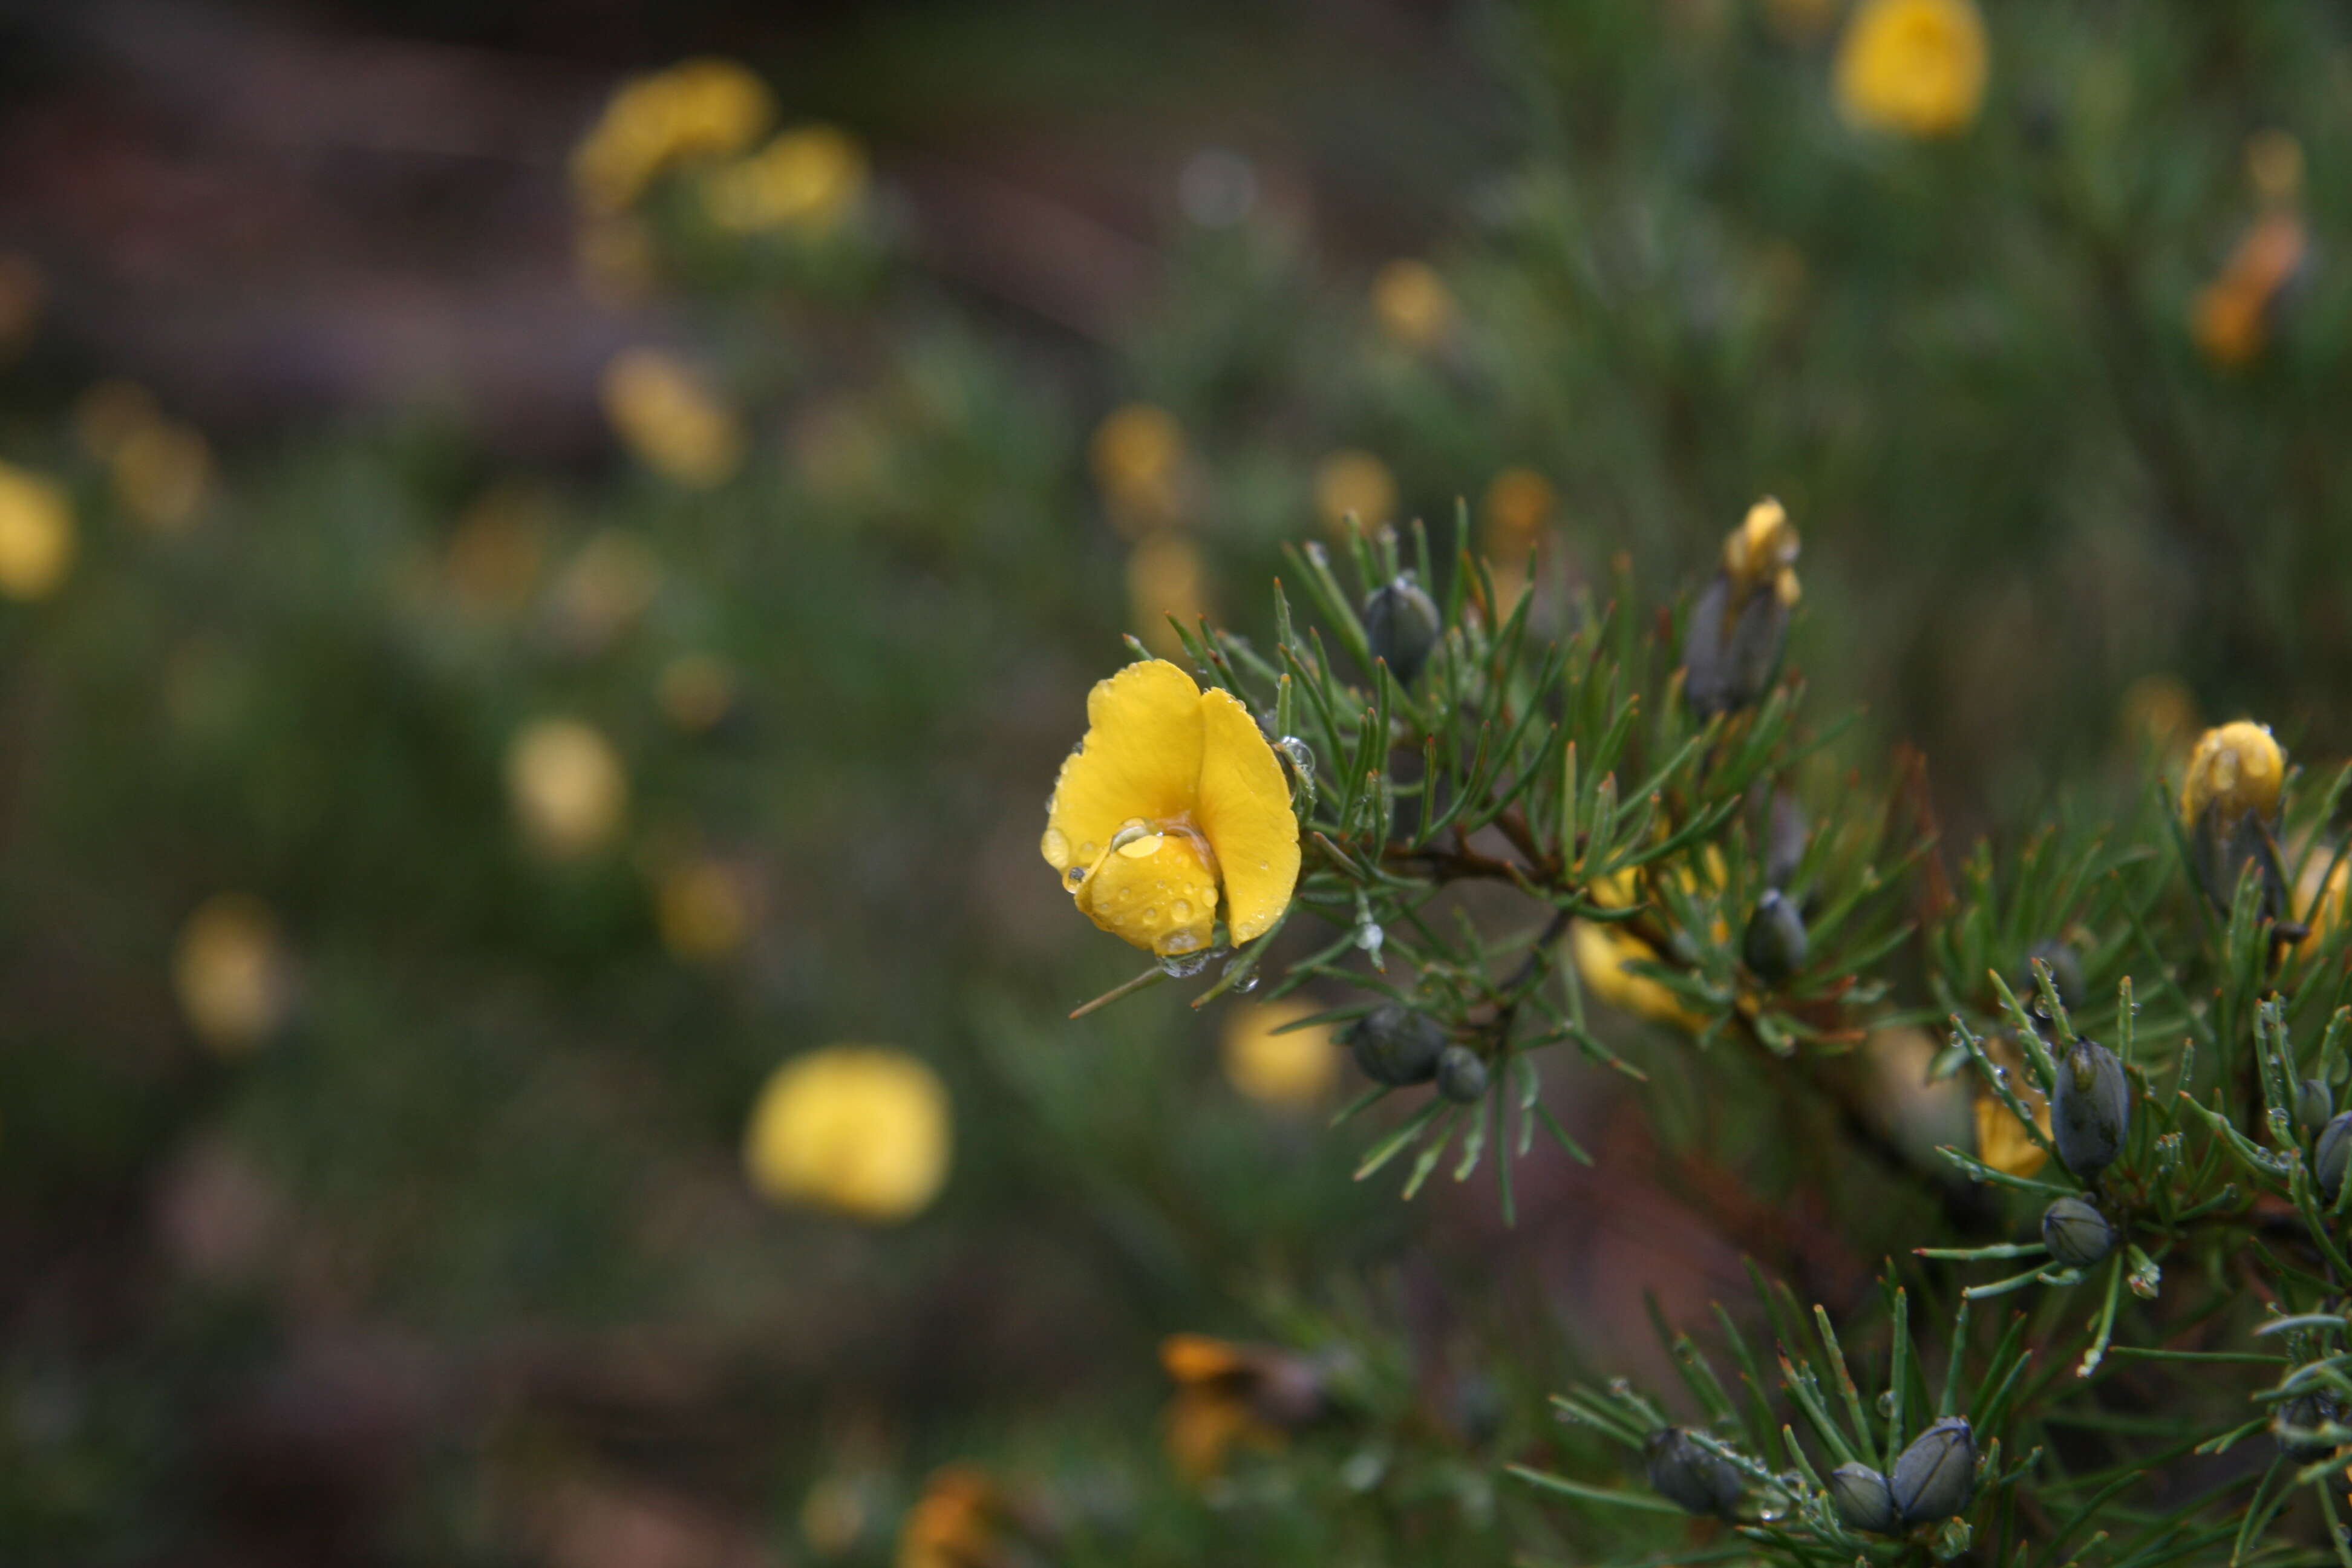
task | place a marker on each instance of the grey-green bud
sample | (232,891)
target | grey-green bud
(1395,1044)
(1863,1501)
(1402,624)
(1461,1074)
(2091,1114)
(1935,1478)
(2309,1412)
(2076,1234)
(1773,947)
(2313,1105)
(1688,1475)
(2331,1155)
(1733,646)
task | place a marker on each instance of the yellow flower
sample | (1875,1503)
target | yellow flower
(2159,714)
(1229,1396)
(671,420)
(809,179)
(1171,795)
(701,907)
(233,979)
(2235,769)
(2005,1145)
(954,1523)
(698,109)
(859,1129)
(1165,577)
(1913,65)
(2232,318)
(1604,948)
(37,534)
(1412,304)
(698,693)
(1353,483)
(1138,453)
(1762,549)
(1519,505)
(567,785)
(1293,1069)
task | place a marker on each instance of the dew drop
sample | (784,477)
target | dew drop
(1152,913)
(1887,1405)
(1247,982)
(1057,846)
(1087,850)
(1130,832)
(1180,911)
(1074,876)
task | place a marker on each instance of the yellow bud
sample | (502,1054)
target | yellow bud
(2235,769)
(1288,1071)
(233,979)
(567,785)
(860,1130)
(1762,550)
(1412,304)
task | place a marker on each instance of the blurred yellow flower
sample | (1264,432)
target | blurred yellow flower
(1288,1070)
(1138,453)
(1353,483)
(610,582)
(1412,304)
(698,109)
(1519,504)
(163,471)
(671,420)
(1165,577)
(567,785)
(1172,791)
(2004,1144)
(1917,66)
(862,1131)
(2235,769)
(1604,948)
(808,179)
(2159,715)
(698,693)
(2233,315)
(1232,1395)
(23,292)
(235,981)
(702,910)
(37,534)
(1763,549)
(492,562)
(954,1523)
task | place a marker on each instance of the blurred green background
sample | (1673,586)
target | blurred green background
(376,1061)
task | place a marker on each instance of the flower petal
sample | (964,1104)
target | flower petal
(1155,890)
(1244,809)
(1140,758)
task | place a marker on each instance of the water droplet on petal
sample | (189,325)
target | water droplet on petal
(1130,830)
(1055,846)
(1180,911)
(1074,876)
(1087,850)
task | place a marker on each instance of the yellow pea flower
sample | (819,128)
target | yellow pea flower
(954,1523)
(2003,1145)
(704,108)
(860,1130)
(1284,1070)
(1412,304)
(809,179)
(568,787)
(1354,482)
(1763,550)
(1230,1396)
(2232,317)
(669,418)
(1604,948)
(37,534)
(1171,797)
(1137,455)
(2236,768)
(1917,66)
(233,979)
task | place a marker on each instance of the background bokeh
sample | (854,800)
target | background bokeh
(527,610)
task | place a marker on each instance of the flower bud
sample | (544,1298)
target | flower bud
(1402,624)
(1733,648)
(2312,1410)
(1773,946)
(2076,1234)
(2092,1111)
(1862,1499)
(1936,1475)
(2065,968)
(2313,1105)
(1461,1074)
(2332,1153)
(1395,1044)
(1690,1477)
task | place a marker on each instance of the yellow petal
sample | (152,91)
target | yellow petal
(1245,811)
(1140,760)
(1155,889)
